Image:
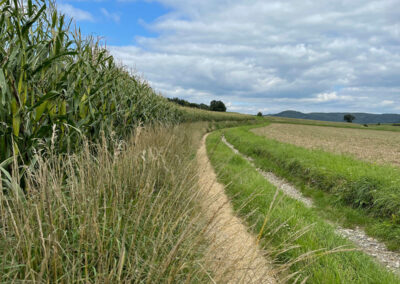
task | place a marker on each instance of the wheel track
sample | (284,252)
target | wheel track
(234,255)
(367,244)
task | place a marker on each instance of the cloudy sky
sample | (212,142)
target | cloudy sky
(257,55)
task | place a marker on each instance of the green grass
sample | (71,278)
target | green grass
(353,191)
(383,126)
(252,196)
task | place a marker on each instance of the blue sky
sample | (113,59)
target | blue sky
(118,22)
(257,55)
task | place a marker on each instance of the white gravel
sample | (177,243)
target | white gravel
(358,236)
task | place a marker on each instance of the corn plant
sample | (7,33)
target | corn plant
(57,86)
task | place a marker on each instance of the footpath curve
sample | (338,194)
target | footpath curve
(234,255)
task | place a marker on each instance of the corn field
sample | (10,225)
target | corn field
(57,86)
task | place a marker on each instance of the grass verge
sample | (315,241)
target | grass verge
(346,189)
(291,230)
(127,215)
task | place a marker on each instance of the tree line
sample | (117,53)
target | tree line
(214,105)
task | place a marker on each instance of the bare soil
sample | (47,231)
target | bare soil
(234,256)
(381,147)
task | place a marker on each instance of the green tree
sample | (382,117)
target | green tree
(217,106)
(349,118)
(259,113)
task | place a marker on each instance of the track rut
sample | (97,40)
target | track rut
(234,256)
(358,236)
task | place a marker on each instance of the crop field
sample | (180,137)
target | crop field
(382,147)
(383,126)
(193,114)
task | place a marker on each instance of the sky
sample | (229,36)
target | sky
(256,55)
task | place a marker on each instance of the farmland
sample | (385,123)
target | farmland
(367,192)
(345,192)
(299,236)
(297,121)
(103,180)
(370,145)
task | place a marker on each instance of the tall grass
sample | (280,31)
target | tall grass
(54,80)
(128,215)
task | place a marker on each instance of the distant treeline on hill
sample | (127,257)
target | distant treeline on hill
(338,116)
(214,105)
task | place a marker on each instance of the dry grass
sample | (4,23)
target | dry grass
(122,216)
(370,145)
(234,254)
(129,215)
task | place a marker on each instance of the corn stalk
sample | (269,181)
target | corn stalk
(57,87)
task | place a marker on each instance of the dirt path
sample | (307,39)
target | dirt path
(234,255)
(367,244)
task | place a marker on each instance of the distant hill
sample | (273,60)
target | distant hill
(338,116)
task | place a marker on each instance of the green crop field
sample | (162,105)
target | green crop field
(57,87)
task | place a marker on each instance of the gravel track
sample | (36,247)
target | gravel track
(358,236)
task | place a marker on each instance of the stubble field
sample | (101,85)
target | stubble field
(382,147)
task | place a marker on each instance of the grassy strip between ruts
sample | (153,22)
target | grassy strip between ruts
(290,223)
(370,190)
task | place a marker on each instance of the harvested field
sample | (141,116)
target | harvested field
(382,147)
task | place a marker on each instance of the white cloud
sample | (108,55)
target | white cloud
(75,13)
(325,97)
(328,97)
(306,55)
(387,103)
(112,16)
